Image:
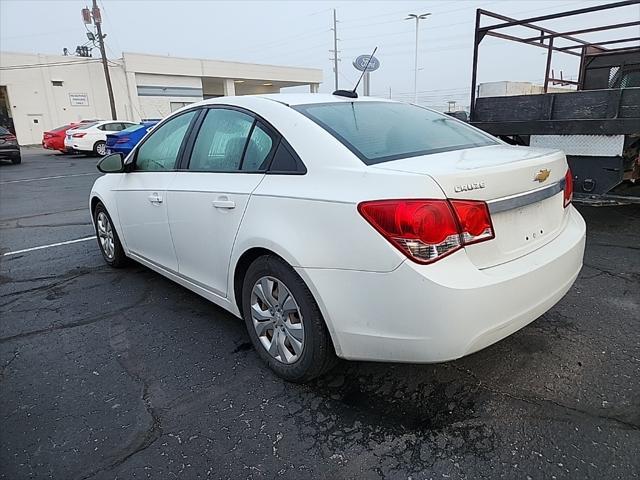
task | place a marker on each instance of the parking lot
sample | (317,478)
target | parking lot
(123,374)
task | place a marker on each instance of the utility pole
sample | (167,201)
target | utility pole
(97,20)
(415,73)
(335,48)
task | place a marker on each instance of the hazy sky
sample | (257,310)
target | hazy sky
(297,33)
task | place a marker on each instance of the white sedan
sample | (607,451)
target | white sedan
(359,228)
(91,137)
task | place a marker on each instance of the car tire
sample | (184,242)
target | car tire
(108,239)
(100,149)
(16,160)
(317,354)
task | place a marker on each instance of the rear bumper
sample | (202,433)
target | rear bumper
(439,312)
(74,146)
(54,145)
(9,151)
(117,149)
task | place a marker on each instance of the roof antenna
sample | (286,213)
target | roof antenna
(352,93)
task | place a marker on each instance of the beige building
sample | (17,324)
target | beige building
(41,92)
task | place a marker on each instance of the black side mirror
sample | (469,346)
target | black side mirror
(113,163)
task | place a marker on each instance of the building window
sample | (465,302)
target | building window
(57,83)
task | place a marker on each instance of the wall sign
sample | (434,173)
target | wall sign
(79,99)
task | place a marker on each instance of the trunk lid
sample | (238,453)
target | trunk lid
(522,186)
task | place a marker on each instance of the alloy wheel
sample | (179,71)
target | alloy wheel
(101,149)
(105,235)
(277,320)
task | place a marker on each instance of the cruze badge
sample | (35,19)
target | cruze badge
(469,186)
(542,175)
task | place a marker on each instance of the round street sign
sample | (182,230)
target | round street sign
(361,62)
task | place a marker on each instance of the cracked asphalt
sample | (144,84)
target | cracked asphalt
(121,374)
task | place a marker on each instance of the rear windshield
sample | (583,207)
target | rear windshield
(83,126)
(4,131)
(60,129)
(132,128)
(382,131)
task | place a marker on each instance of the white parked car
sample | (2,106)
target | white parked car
(362,228)
(91,137)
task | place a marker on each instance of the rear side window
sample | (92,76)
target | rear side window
(383,131)
(285,161)
(221,141)
(256,156)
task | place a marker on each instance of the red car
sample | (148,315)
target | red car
(54,139)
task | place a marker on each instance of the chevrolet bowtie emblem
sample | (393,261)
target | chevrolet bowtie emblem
(542,175)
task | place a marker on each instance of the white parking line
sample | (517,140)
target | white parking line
(48,178)
(16,252)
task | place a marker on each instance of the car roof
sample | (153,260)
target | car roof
(289,99)
(310,98)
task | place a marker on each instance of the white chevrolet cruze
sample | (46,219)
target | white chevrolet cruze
(91,137)
(362,228)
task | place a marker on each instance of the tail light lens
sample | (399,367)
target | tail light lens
(78,135)
(474,220)
(427,230)
(568,188)
(122,140)
(10,137)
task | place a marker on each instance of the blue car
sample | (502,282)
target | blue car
(124,140)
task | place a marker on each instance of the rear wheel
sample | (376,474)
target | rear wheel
(108,240)
(16,160)
(284,322)
(100,148)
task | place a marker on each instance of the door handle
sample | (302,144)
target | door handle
(223,202)
(155,199)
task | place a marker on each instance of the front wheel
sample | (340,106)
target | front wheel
(108,240)
(284,322)
(100,148)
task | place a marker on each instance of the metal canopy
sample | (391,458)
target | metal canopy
(545,38)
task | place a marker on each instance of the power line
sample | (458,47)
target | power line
(284,40)
(50,64)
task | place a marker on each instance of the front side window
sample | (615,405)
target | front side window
(382,131)
(221,141)
(160,151)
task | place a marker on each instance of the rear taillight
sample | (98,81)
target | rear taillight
(78,135)
(10,138)
(474,220)
(122,140)
(568,188)
(427,230)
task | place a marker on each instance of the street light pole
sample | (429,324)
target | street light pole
(415,73)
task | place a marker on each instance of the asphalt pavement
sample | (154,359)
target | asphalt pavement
(123,374)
